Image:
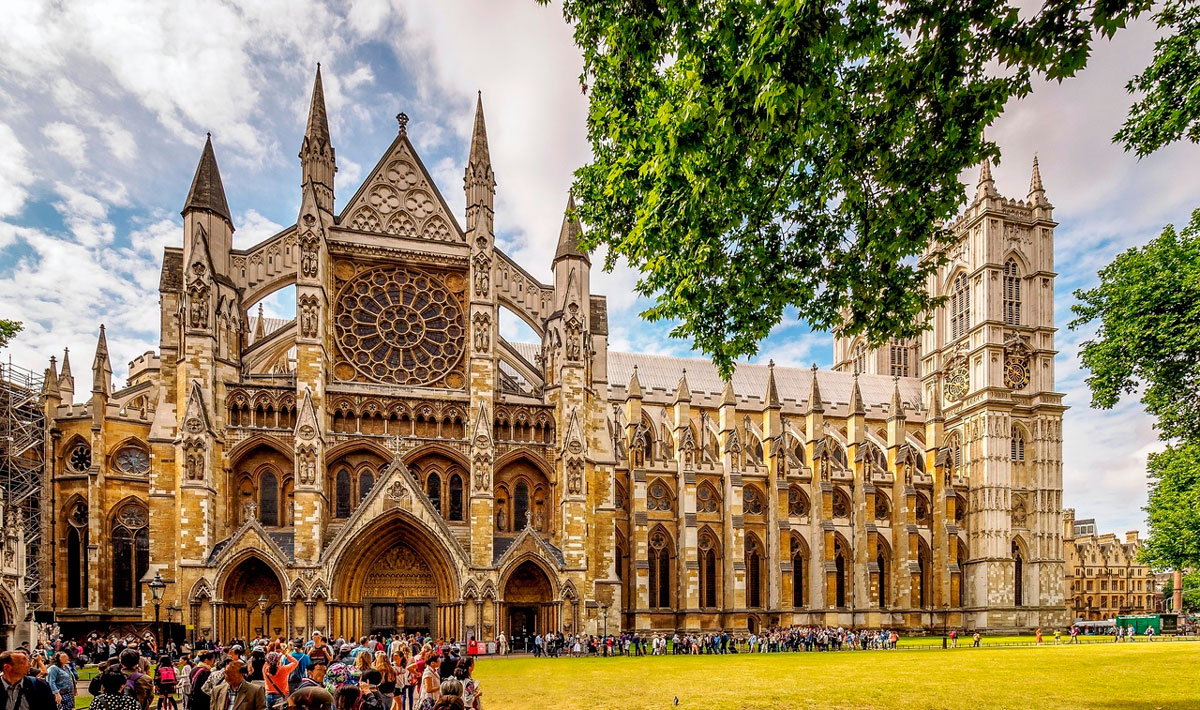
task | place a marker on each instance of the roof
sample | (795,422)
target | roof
(207,192)
(270,325)
(500,545)
(286,539)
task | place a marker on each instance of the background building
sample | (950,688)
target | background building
(1104,578)
(388,461)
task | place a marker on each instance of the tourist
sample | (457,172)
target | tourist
(347,697)
(61,679)
(387,679)
(315,678)
(449,702)
(431,684)
(976,639)
(502,645)
(1038,635)
(471,694)
(258,661)
(113,697)
(368,685)
(230,693)
(275,676)
(197,698)
(320,649)
(1057,636)
(165,683)
(143,688)
(312,697)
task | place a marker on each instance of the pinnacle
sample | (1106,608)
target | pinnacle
(1037,193)
(897,404)
(727,395)
(318,120)
(816,403)
(682,392)
(568,236)
(772,396)
(856,401)
(479,143)
(207,192)
(634,388)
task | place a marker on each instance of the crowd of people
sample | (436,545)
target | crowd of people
(388,673)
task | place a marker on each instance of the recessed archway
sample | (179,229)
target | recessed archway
(529,607)
(252,597)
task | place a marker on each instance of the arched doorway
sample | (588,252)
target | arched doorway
(395,576)
(252,602)
(528,604)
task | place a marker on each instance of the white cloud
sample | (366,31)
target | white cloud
(15,176)
(68,141)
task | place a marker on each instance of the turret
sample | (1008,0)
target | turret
(857,421)
(986,187)
(896,417)
(317,161)
(50,383)
(102,368)
(814,416)
(207,223)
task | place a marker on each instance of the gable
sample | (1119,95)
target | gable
(398,198)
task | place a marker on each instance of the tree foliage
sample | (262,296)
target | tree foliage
(8,330)
(753,156)
(1147,307)
(1174,508)
(1170,107)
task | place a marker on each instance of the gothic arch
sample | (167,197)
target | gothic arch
(1023,267)
(396,527)
(515,563)
(200,590)
(247,446)
(128,441)
(235,561)
(350,447)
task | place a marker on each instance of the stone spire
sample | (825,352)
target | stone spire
(815,402)
(568,236)
(727,395)
(856,401)
(101,367)
(897,404)
(318,162)
(682,393)
(50,381)
(634,389)
(1037,193)
(479,181)
(207,193)
(66,382)
(986,186)
(772,395)
(935,406)
(260,328)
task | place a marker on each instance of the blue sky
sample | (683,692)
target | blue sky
(107,107)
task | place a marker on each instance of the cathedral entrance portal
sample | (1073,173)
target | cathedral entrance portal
(529,605)
(253,602)
(395,577)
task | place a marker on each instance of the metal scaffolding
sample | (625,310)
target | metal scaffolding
(23,467)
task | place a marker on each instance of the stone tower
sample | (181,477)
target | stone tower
(989,356)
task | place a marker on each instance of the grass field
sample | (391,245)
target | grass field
(1111,676)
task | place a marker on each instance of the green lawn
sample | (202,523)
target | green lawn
(1112,676)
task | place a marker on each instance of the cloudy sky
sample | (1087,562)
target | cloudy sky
(106,107)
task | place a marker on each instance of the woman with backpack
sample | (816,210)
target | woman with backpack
(472,696)
(166,680)
(275,674)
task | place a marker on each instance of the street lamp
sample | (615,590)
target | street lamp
(945,621)
(604,637)
(262,607)
(157,587)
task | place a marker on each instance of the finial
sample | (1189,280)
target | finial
(771,362)
(402,119)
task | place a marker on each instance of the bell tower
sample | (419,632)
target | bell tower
(990,355)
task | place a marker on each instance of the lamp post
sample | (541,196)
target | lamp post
(604,637)
(262,607)
(157,587)
(945,621)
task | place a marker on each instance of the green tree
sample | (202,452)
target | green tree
(8,329)
(753,156)
(1174,509)
(1170,108)
(1147,307)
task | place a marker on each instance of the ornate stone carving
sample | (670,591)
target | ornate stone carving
(306,464)
(397,492)
(482,323)
(483,274)
(308,305)
(481,472)
(193,460)
(309,243)
(575,477)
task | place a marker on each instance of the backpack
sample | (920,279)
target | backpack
(130,688)
(166,677)
(294,678)
(372,701)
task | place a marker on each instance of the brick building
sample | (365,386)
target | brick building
(1104,578)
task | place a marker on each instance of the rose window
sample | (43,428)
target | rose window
(133,460)
(80,458)
(400,326)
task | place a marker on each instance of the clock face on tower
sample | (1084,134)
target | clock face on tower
(1016,372)
(956,383)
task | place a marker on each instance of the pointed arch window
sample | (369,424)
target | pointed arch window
(797,574)
(660,570)
(342,494)
(1017,446)
(1012,293)
(708,570)
(1018,576)
(881,560)
(77,558)
(754,564)
(839,566)
(433,488)
(365,482)
(860,358)
(268,499)
(960,307)
(923,569)
(899,357)
(520,504)
(456,497)
(131,554)
(707,500)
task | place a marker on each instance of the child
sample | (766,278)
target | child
(165,682)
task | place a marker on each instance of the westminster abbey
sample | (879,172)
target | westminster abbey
(386,461)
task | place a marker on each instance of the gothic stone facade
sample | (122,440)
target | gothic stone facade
(387,460)
(1104,577)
